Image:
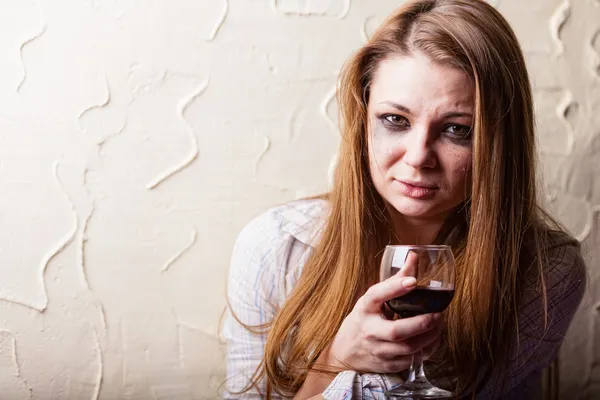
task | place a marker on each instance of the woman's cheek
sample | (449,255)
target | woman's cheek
(461,168)
(384,144)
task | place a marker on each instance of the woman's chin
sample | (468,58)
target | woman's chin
(415,208)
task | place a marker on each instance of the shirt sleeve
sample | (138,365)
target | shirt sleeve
(538,344)
(351,385)
(256,288)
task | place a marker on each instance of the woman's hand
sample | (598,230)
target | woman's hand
(368,342)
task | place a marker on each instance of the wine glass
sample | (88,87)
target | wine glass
(433,268)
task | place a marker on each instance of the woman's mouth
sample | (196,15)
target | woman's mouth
(416,189)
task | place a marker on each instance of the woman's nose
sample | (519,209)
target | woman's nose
(418,152)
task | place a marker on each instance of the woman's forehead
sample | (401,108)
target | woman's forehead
(415,82)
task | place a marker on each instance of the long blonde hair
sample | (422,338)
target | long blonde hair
(499,235)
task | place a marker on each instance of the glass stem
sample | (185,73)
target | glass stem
(416,372)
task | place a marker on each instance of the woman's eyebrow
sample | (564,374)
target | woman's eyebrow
(454,114)
(397,106)
(450,114)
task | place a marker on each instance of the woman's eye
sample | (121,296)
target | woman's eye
(394,121)
(458,132)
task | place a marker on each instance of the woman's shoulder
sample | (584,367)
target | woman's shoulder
(301,220)
(564,253)
(270,250)
(565,265)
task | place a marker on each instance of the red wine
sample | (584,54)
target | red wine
(421,300)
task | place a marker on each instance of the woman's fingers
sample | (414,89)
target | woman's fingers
(394,357)
(410,266)
(398,285)
(392,350)
(394,366)
(367,341)
(425,341)
(381,292)
(406,328)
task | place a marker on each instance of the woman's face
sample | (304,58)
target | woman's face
(420,118)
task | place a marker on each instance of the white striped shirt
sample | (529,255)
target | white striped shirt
(268,258)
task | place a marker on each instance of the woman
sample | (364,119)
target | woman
(437,147)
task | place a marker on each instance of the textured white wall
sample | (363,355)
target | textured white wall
(137,137)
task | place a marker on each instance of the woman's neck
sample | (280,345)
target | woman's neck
(420,231)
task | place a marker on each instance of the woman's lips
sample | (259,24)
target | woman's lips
(416,190)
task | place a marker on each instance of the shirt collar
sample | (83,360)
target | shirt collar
(305,220)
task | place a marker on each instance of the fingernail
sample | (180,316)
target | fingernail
(437,317)
(409,282)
